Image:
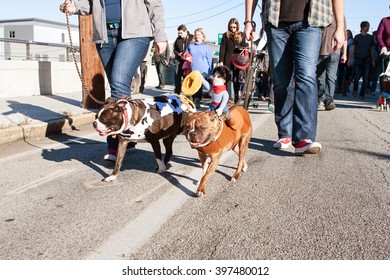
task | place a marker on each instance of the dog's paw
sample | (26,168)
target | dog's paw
(199,194)
(161,168)
(233,179)
(109,178)
(245,167)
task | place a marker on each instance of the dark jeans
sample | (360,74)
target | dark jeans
(326,76)
(362,69)
(121,59)
(179,74)
(293,51)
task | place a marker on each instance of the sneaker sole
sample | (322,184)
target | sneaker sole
(282,146)
(312,150)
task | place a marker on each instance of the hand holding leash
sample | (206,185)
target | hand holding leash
(68,7)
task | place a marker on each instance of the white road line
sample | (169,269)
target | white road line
(136,233)
(56,174)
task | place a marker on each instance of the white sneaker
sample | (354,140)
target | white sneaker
(110,157)
(283,143)
(307,147)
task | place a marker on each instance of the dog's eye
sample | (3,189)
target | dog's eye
(188,126)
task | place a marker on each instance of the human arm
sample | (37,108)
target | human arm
(209,55)
(82,7)
(338,37)
(350,56)
(344,56)
(379,36)
(156,15)
(222,50)
(250,7)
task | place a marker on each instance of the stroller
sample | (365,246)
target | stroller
(383,102)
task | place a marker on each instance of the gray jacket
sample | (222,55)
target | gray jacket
(140,18)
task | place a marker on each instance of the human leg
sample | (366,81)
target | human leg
(331,72)
(129,54)
(178,76)
(159,75)
(280,49)
(143,71)
(307,42)
(321,77)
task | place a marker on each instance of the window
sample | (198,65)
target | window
(63,37)
(12,34)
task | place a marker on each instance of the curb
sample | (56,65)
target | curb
(39,129)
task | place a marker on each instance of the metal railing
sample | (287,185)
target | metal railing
(14,49)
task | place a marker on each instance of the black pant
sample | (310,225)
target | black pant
(179,74)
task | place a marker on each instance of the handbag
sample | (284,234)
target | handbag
(241,59)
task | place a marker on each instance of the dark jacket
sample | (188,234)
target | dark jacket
(181,45)
(227,47)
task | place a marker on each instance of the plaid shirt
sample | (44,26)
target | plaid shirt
(320,12)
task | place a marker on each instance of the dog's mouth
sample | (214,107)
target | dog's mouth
(196,143)
(105,132)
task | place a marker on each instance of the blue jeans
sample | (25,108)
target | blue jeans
(293,52)
(120,59)
(326,76)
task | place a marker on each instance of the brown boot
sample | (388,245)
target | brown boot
(230,122)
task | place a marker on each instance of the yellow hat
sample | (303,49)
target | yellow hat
(192,83)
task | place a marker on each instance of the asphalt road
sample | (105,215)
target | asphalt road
(334,205)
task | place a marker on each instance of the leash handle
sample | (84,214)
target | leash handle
(77,67)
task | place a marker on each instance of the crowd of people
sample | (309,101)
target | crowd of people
(309,56)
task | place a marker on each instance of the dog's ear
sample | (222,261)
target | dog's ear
(109,100)
(120,105)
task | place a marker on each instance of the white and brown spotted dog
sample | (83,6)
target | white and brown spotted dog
(208,133)
(140,120)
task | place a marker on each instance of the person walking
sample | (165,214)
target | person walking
(327,68)
(122,33)
(183,39)
(231,39)
(383,39)
(345,73)
(143,69)
(202,60)
(383,34)
(362,52)
(160,64)
(294,37)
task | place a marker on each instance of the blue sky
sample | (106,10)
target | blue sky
(213,16)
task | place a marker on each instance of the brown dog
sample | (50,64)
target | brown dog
(208,133)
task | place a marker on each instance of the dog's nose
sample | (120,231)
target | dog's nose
(192,134)
(94,124)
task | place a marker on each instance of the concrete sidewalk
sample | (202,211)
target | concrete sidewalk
(39,116)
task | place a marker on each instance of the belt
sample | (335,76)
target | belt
(113,25)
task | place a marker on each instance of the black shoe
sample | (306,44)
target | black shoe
(330,106)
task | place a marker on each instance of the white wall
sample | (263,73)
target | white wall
(28,78)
